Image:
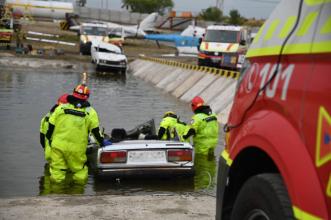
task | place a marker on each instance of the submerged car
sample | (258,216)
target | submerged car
(136,152)
(108,56)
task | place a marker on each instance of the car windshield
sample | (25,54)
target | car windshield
(96,31)
(115,32)
(221,36)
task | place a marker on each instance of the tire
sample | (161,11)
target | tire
(262,197)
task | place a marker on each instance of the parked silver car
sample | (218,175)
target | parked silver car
(133,154)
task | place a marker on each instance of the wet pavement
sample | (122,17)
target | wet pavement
(27,93)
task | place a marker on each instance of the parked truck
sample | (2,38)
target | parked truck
(277,160)
(6,25)
(223,47)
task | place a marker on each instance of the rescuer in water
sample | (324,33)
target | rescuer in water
(44,127)
(69,127)
(203,128)
(171,127)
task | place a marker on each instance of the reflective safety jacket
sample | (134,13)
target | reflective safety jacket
(206,132)
(44,124)
(172,125)
(72,125)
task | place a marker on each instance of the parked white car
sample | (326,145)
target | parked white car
(108,56)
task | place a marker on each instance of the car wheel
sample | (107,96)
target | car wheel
(263,197)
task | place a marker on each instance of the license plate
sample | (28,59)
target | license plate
(146,156)
(226,59)
(215,59)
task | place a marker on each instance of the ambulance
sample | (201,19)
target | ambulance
(223,47)
(277,160)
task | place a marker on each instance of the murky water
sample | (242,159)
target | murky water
(26,94)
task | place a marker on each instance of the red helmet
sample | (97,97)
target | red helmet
(197,102)
(81,92)
(63,99)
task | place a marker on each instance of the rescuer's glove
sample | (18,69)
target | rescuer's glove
(106,142)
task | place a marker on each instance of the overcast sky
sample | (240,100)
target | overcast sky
(247,8)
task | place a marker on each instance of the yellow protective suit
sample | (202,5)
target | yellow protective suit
(172,125)
(43,130)
(69,141)
(206,133)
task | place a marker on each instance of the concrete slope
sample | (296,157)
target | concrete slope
(199,87)
(188,83)
(185,81)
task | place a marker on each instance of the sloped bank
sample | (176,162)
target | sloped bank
(185,81)
(148,207)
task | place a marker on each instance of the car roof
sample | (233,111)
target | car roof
(105,45)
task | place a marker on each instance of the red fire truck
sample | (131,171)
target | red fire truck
(277,160)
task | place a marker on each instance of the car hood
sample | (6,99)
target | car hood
(110,56)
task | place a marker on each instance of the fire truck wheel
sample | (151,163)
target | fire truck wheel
(263,196)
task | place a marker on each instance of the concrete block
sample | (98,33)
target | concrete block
(151,71)
(143,68)
(133,65)
(169,78)
(220,102)
(184,74)
(216,88)
(200,86)
(163,74)
(187,84)
(155,70)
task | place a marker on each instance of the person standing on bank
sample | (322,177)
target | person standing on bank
(69,127)
(44,127)
(203,128)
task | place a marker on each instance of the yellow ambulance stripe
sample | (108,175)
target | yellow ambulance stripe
(316,2)
(227,158)
(287,27)
(328,187)
(326,29)
(307,23)
(271,30)
(302,215)
(305,48)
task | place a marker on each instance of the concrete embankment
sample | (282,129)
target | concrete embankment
(185,81)
(152,207)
